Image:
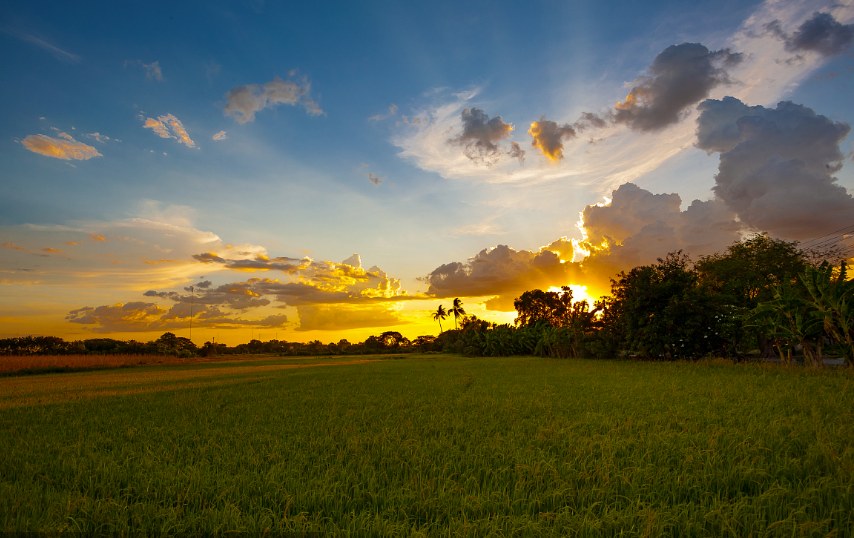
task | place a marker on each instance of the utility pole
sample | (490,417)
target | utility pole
(192,300)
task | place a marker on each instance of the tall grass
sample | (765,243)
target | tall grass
(442,446)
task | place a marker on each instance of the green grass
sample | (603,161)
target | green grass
(435,445)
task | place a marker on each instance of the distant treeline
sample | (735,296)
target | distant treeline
(762,296)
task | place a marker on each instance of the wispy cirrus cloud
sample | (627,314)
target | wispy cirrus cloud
(220,136)
(44,44)
(64,147)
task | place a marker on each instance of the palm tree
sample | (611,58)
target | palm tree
(439,315)
(458,311)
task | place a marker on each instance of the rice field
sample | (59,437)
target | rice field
(433,445)
(38,363)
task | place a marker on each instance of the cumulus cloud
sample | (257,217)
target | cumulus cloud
(504,273)
(169,126)
(680,76)
(481,135)
(821,34)
(244,101)
(99,137)
(776,166)
(220,136)
(354,261)
(548,137)
(64,147)
(636,227)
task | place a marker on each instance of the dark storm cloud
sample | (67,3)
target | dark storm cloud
(822,34)
(776,166)
(680,76)
(481,136)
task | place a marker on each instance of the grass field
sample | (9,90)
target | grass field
(431,445)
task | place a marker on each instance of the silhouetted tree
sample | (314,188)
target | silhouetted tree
(457,310)
(439,315)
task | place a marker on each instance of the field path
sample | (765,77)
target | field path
(57,388)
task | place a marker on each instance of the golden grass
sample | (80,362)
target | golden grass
(56,388)
(13,363)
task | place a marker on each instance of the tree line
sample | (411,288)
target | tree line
(762,297)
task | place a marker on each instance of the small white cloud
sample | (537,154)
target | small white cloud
(220,136)
(99,137)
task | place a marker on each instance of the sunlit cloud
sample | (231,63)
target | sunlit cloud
(99,137)
(65,147)
(169,126)
(220,136)
(244,101)
(13,246)
(51,250)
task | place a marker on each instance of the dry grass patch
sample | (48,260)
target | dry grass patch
(36,362)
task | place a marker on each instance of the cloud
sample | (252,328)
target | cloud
(480,137)
(13,246)
(135,316)
(144,317)
(636,227)
(776,166)
(548,137)
(220,136)
(245,101)
(98,238)
(680,76)
(325,318)
(99,137)
(66,149)
(152,71)
(56,51)
(164,124)
(503,272)
(51,250)
(376,180)
(821,34)
(392,110)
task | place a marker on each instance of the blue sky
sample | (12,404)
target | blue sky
(356,92)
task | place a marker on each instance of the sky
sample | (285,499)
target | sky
(233,170)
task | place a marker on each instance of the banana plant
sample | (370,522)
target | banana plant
(834,300)
(792,318)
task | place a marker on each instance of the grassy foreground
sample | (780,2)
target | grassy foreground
(432,445)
